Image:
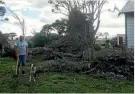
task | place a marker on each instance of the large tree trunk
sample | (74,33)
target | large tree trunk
(87,54)
(3,49)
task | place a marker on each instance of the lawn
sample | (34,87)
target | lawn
(58,82)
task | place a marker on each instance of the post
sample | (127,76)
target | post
(121,43)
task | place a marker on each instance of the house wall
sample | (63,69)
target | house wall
(129,18)
(120,35)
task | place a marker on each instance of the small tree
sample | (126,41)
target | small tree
(21,23)
(106,34)
(39,40)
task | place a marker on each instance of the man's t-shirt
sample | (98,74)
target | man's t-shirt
(21,47)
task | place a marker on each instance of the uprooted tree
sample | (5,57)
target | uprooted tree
(83,21)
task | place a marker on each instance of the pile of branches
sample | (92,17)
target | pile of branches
(113,67)
(8,52)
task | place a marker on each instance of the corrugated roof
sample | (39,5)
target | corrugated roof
(129,7)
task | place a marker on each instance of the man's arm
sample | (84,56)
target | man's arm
(26,48)
(16,49)
(27,51)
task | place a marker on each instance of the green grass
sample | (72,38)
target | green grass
(58,82)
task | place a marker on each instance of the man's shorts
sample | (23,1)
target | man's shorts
(22,60)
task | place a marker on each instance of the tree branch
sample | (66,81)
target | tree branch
(99,7)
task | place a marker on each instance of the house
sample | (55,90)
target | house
(118,38)
(128,10)
(11,38)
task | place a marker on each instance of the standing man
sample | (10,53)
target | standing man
(21,49)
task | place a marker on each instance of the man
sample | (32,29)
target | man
(21,49)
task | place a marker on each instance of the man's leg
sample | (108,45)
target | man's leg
(23,63)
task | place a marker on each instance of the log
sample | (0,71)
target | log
(44,50)
(65,54)
(89,71)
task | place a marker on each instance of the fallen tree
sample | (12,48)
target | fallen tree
(113,65)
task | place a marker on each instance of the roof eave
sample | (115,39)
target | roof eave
(124,13)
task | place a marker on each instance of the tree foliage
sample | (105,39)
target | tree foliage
(2,11)
(46,29)
(60,26)
(39,40)
(113,42)
(3,39)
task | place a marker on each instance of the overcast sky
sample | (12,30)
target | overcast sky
(38,12)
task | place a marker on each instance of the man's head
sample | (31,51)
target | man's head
(21,38)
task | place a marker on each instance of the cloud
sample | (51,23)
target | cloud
(48,17)
(17,4)
(12,26)
(112,31)
(39,3)
(6,28)
(110,22)
(33,25)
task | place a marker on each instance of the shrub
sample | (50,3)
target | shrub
(97,47)
(30,44)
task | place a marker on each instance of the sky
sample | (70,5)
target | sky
(37,13)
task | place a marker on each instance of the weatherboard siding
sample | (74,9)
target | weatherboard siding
(130,30)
